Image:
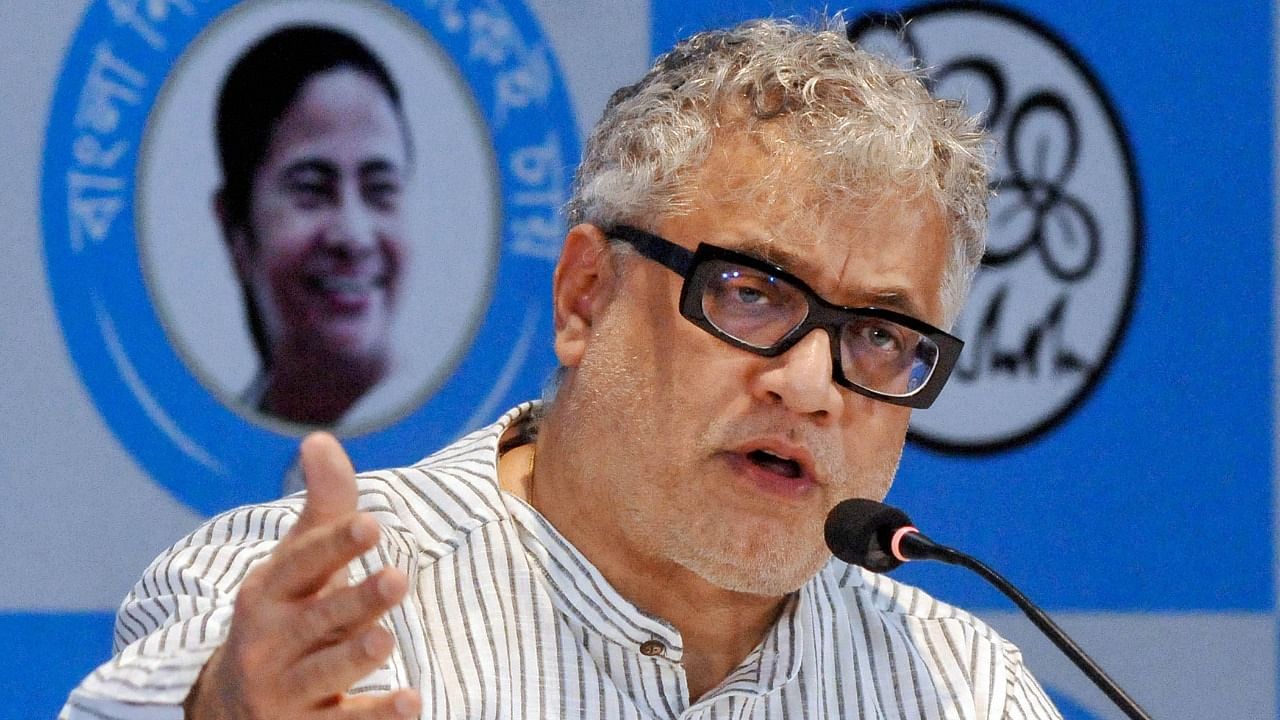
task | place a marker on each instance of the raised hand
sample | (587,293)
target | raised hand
(300,634)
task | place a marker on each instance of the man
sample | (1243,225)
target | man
(767,231)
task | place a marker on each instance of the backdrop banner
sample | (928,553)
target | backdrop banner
(1106,440)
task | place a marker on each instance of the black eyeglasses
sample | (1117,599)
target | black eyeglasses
(761,308)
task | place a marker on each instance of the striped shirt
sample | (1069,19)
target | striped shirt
(506,619)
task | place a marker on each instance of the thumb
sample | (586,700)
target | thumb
(330,480)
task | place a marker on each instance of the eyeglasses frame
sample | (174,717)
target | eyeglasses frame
(822,314)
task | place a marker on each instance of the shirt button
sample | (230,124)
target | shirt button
(652,648)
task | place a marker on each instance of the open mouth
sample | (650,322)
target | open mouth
(775,464)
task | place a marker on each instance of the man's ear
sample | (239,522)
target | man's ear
(237,239)
(583,285)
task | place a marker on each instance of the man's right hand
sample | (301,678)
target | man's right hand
(300,634)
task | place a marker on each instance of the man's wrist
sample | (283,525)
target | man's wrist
(195,705)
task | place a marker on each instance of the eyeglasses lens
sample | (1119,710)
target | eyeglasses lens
(884,356)
(749,305)
(760,309)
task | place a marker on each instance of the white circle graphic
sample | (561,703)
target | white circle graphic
(1054,294)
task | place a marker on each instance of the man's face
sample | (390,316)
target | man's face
(723,461)
(325,246)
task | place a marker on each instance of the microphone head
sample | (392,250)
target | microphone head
(860,532)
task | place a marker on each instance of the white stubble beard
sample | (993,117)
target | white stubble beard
(661,521)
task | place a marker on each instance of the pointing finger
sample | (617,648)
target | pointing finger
(330,480)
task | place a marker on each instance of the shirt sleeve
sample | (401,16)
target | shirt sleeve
(177,614)
(1024,698)
(180,611)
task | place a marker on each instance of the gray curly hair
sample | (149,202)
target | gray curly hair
(861,125)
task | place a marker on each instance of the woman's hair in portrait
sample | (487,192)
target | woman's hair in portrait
(258,91)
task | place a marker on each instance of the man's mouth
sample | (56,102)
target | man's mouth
(783,466)
(780,471)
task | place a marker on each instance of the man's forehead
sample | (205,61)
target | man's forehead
(835,284)
(855,243)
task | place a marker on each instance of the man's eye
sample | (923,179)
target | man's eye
(748,289)
(749,295)
(883,338)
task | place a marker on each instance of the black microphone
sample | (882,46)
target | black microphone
(880,538)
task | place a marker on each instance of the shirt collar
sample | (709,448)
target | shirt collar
(776,661)
(581,592)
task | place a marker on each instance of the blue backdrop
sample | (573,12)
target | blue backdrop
(1144,515)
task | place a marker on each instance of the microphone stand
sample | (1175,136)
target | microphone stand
(916,545)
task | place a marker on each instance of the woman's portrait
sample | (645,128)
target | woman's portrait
(318,214)
(315,155)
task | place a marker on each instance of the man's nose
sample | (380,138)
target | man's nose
(801,378)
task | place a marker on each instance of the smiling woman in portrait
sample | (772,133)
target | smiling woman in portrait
(315,155)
